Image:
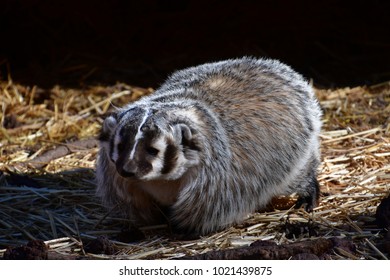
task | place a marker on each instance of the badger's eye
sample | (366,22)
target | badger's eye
(152,151)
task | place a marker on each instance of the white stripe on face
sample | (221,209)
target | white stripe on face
(115,147)
(139,134)
(158,161)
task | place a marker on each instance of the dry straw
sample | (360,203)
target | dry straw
(50,195)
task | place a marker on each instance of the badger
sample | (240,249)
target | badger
(211,145)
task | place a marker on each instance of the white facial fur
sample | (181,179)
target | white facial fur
(185,158)
(158,161)
(172,141)
(139,134)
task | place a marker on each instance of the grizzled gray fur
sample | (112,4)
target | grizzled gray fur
(213,144)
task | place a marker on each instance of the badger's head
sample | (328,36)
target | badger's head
(149,144)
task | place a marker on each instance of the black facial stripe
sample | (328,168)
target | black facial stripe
(137,110)
(146,141)
(152,151)
(121,147)
(170,158)
(149,137)
(104,136)
(112,147)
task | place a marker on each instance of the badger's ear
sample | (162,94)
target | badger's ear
(182,133)
(185,136)
(107,128)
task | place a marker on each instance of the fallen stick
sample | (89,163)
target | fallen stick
(61,151)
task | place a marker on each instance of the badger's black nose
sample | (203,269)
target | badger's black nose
(126,174)
(123,172)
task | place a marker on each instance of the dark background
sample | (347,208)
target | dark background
(78,43)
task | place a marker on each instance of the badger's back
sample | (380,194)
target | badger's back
(256,124)
(251,98)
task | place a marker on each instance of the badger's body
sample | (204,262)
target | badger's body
(212,144)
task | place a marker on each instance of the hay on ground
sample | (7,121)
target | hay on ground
(50,195)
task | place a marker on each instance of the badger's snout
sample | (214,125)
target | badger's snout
(125,170)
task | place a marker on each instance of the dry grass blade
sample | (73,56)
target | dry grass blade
(55,201)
